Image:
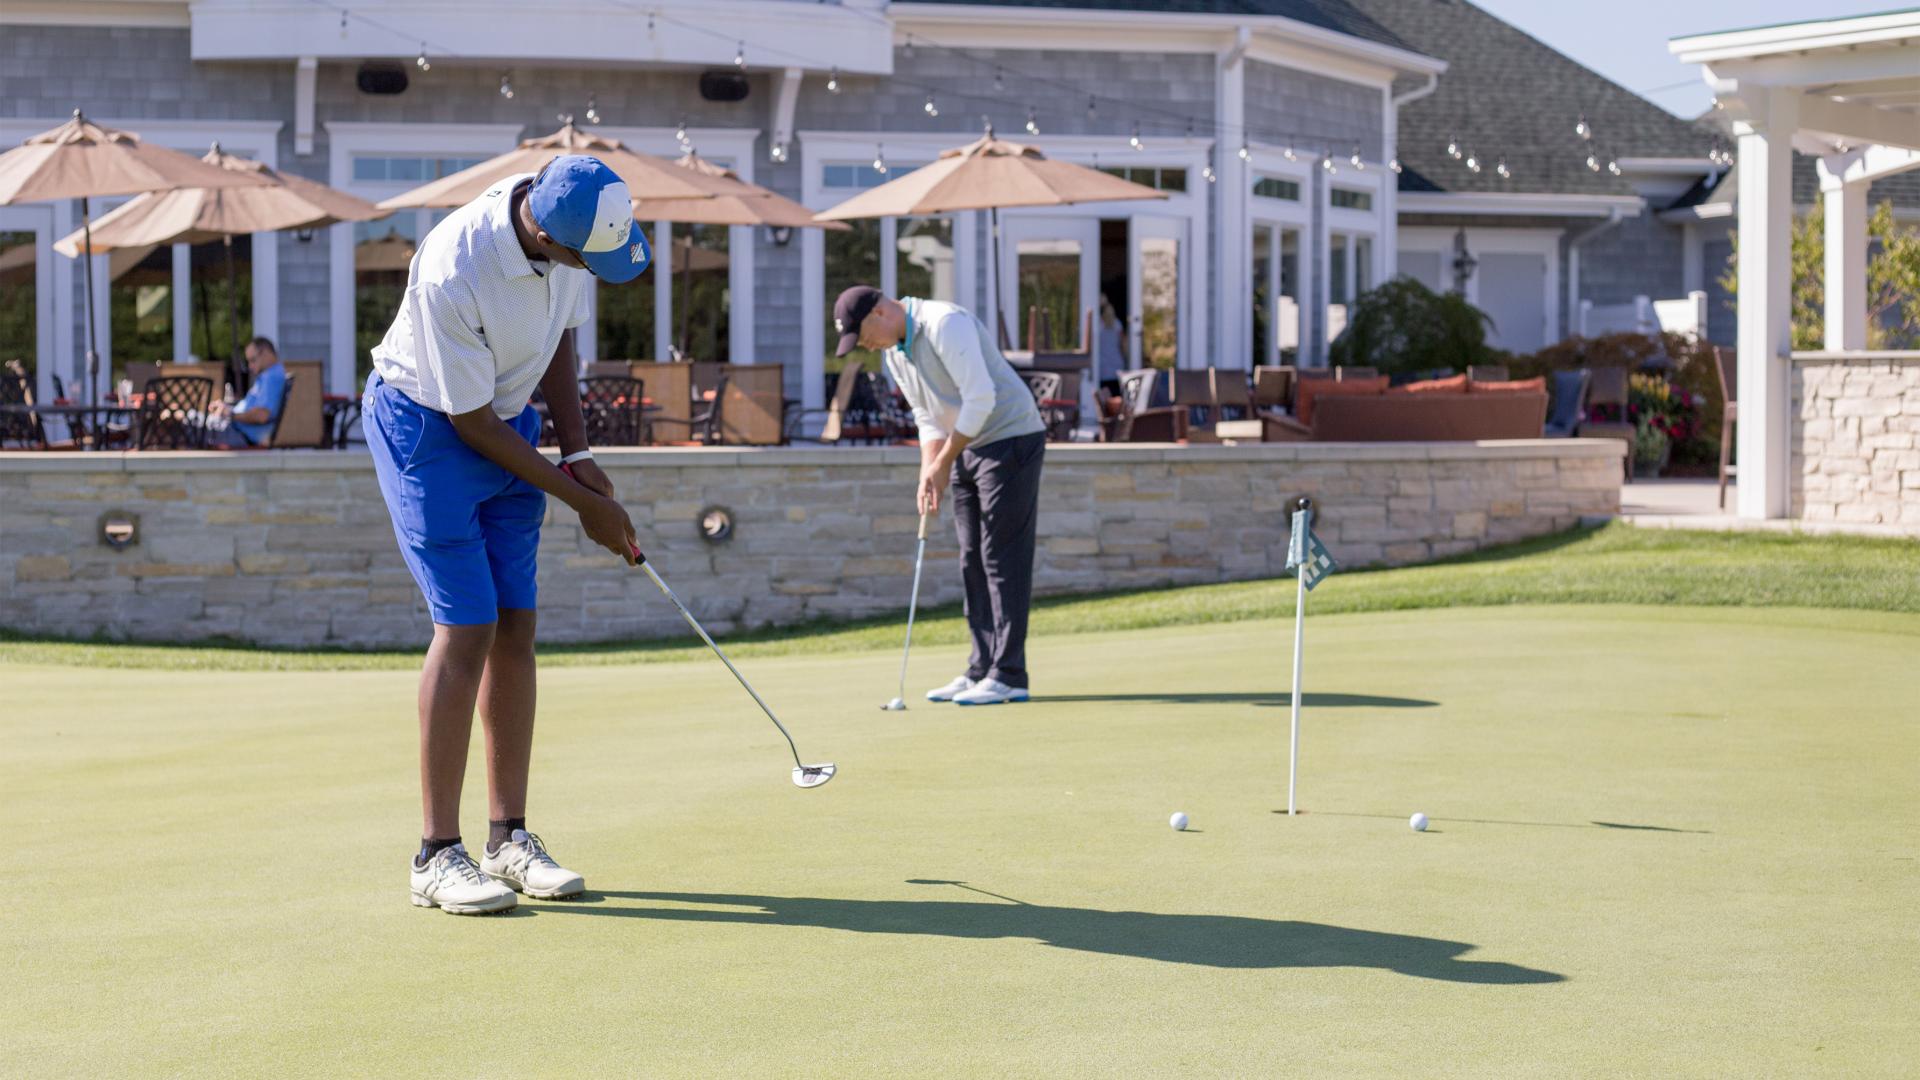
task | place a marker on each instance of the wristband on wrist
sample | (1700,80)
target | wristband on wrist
(584,455)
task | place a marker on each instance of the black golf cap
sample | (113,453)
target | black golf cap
(849,311)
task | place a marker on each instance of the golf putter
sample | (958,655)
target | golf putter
(806,776)
(899,704)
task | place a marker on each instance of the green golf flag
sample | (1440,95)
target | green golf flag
(1306,553)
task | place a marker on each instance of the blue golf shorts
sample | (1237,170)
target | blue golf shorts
(469,529)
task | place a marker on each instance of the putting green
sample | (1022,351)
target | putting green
(1666,842)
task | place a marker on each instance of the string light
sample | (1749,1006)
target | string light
(740,55)
(1593,163)
(1613,166)
(1393,165)
(879,159)
(1501,168)
(649,24)
(1246,152)
(930,108)
(1473,163)
(1582,128)
(779,151)
(1326,162)
(1288,152)
(680,132)
(1033,121)
(421,60)
(1453,148)
(506,85)
(343,24)
(1093,108)
(593,109)
(833,82)
(1207,173)
(1134,139)
(909,56)
(999,81)
(1358,165)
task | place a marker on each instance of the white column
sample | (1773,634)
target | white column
(1231,225)
(1692,259)
(1846,262)
(342,364)
(1765,300)
(182,301)
(663,290)
(266,286)
(304,71)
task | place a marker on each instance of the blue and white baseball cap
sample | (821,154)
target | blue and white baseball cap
(584,206)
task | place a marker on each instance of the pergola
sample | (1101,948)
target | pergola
(1845,90)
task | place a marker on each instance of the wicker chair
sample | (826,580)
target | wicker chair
(610,406)
(173,415)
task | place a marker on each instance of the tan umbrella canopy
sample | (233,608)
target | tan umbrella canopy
(986,175)
(647,177)
(202,215)
(80,160)
(754,206)
(388,253)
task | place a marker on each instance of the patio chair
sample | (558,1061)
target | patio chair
(173,414)
(610,405)
(1059,414)
(1232,394)
(834,427)
(703,427)
(1726,364)
(1346,374)
(1193,391)
(1486,373)
(1607,386)
(18,425)
(1273,388)
(1136,422)
(1569,402)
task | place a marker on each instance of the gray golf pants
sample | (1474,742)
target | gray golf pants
(996,511)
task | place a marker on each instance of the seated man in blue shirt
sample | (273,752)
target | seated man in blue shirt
(249,421)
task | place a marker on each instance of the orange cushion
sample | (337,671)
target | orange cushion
(1454,384)
(1319,388)
(1517,386)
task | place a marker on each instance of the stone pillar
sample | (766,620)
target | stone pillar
(1846,261)
(1765,300)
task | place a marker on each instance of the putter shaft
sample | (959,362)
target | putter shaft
(913,602)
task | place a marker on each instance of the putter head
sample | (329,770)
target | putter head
(896,705)
(812,776)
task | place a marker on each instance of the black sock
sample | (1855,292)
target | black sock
(430,847)
(499,832)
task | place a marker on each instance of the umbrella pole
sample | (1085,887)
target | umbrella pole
(233,319)
(993,282)
(93,341)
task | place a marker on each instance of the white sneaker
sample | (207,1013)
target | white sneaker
(452,882)
(523,865)
(990,692)
(946,693)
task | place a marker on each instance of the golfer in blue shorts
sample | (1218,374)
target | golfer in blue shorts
(490,297)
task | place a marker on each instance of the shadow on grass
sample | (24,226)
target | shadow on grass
(1221,941)
(1308,700)
(1528,824)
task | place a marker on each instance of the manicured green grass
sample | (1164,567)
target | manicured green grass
(1614,564)
(1668,841)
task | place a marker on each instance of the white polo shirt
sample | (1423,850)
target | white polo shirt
(479,324)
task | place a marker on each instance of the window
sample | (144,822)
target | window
(19,303)
(700,298)
(1160,179)
(407,170)
(859,177)
(852,258)
(1349,199)
(382,251)
(1273,187)
(924,247)
(1276,294)
(140,304)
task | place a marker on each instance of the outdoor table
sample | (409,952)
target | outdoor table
(338,412)
(85,420)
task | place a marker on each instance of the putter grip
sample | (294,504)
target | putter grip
(639,557)
(923,525)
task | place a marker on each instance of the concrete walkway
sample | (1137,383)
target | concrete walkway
(1694,504)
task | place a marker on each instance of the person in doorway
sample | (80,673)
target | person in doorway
(981,442)
(491,294)
(250,421)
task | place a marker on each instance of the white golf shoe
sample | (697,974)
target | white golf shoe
(523,865)
(452,882)
(990,692)
(947,692)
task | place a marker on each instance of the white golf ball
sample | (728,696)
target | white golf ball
(1178,821)
(1419,822)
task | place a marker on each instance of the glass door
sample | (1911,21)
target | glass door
(1156,290)
(1050,282)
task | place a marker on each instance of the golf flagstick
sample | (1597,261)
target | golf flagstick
(913,602)
(1296,559)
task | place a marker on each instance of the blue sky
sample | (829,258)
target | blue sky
(1628,43)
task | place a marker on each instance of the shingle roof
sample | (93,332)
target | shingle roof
(1336,15)
(1508,94)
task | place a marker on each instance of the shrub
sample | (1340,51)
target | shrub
(1686,364)
(1403,327)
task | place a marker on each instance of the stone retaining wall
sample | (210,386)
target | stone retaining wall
(1856,439)
(295,548)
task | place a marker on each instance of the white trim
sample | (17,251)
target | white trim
(304,71)
(38,220)
(1669,166)
(1798,37)
(347,138)
(137,13)
(1553,205)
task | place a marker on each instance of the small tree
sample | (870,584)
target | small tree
(1893,280)
(1404,326)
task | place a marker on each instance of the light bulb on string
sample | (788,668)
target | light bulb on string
(1453,148)
(1473,163)
(779,151)
(680,132)
(1613,166)
(1358,165)
(1326,162)
(930,108)
(649,24)
(1500,167)
(506,85)
(1246,152)
(1134,139)
(1033,122)
(1207,173)
(740,55)
(1093,108)
(999,81)
(421,60)
(1582,128)
(909,46)
(1288,153)
(343,24)
(1593,163)
(833,81)
(1393,165)
(880,159)
(593,109)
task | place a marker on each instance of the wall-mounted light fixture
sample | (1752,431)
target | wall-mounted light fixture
(119,529)
(716,525)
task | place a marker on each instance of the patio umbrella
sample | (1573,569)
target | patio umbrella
(986,175)
(751,204)
(80,160)
(200,215)
(647,177)
(389,253)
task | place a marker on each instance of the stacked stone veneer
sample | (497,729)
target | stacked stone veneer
(295,548)
(1856,440)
